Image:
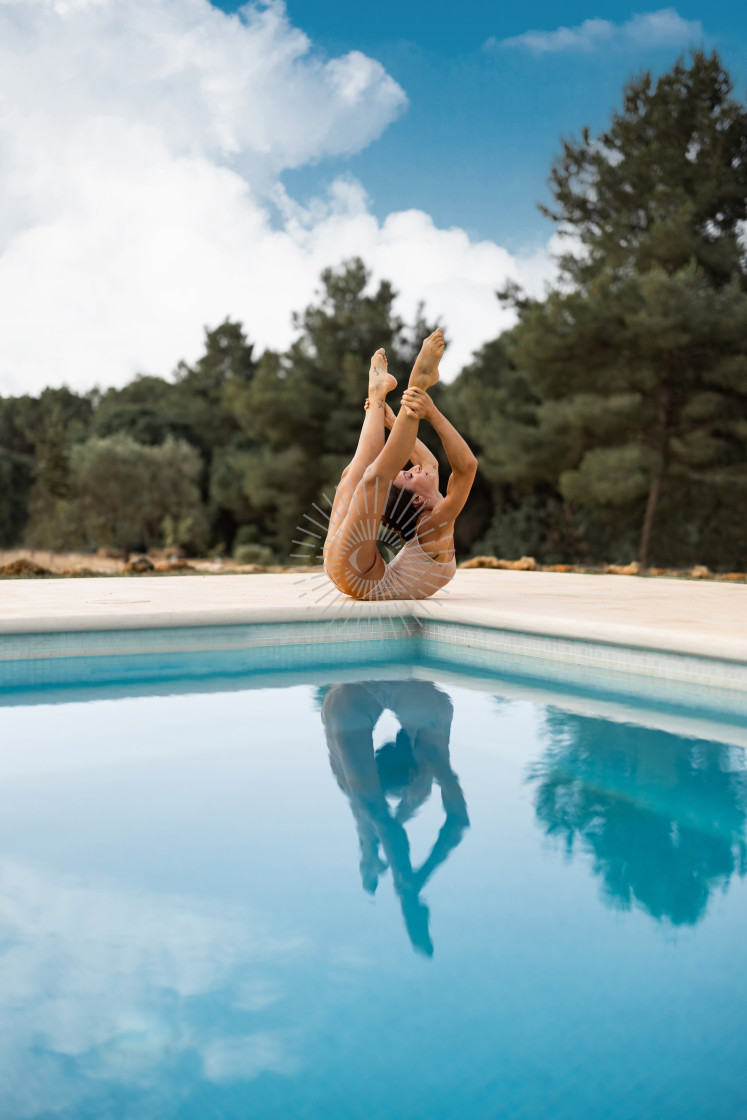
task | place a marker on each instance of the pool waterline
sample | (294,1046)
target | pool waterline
(41,661)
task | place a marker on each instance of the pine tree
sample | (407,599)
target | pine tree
(639,358)
(302,411)
(664,185)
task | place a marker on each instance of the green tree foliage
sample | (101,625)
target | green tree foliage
(122,492)
(28,423)
(207,390)
(148,410)
(36,434)
(195,406)
(639,359)
(16,476)
(301,412)
(613,418)
(517,509)
(664,185)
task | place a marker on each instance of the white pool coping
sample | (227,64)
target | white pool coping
(699,618)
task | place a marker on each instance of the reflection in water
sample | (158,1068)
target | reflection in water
(403,771)
(109,994)
(663,817)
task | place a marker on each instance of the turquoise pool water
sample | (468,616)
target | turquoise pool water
(418,899)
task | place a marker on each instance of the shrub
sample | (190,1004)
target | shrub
(253,554)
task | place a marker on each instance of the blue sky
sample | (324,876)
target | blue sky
(168,164)
(475,145)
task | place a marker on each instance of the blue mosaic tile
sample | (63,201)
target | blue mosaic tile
(29,661)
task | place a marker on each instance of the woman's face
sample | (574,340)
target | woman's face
(418,481)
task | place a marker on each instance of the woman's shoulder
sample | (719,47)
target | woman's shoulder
(436,541)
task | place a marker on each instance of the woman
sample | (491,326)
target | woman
(377,497)
(402,772)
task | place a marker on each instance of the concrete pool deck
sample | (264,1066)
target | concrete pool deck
(699,618)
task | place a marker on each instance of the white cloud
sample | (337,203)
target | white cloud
(141,146)
(661,28)
(241,1059)
(101,987)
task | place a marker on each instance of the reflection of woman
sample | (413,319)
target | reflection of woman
(377,491)
(404,770)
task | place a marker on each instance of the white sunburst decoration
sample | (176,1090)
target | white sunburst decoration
(320,584)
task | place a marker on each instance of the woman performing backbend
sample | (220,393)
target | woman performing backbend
(377,497)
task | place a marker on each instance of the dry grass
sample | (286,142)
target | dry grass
(86,564)
(528,564)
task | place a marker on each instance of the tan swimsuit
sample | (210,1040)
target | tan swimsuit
(412,574)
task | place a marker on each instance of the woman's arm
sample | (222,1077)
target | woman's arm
(421,456)
(457,449)
(463,462)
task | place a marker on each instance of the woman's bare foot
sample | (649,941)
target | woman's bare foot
(380,380)
(425,371)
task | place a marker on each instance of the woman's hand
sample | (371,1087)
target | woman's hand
(417,403)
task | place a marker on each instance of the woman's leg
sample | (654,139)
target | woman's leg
(351,550)
(349,715)
(370,441)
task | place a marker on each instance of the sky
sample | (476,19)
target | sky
(165,164)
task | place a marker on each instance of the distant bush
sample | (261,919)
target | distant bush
(253,554)
(247,534)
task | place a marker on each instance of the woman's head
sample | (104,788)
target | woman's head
(412,492)
(401,511)
(419,481)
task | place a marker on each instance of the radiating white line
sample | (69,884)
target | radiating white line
(313,522)
(354,498)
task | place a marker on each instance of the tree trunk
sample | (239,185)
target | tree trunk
(654,492)
(648,520)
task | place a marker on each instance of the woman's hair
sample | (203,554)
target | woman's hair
(395,763)
(400,513)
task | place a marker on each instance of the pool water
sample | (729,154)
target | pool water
(392,898)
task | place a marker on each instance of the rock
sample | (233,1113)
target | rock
(733,576)
(110,553)
(699,572)
(481,562)
(632,569)
(78,572)
(526,564)
(137,565)
(23,567)
(559,568)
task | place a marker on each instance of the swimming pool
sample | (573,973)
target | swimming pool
(396,891)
